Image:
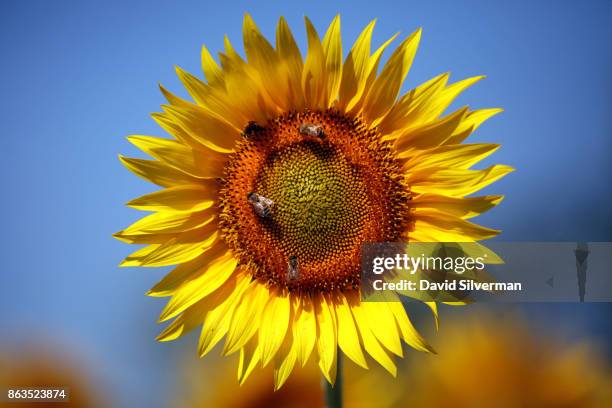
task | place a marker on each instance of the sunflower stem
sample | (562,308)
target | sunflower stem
(333,393)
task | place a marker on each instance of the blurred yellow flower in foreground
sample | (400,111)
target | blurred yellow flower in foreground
(213,385)
(483,362)
(39,365)
(492,362)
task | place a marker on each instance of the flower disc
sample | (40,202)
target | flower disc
(331,192)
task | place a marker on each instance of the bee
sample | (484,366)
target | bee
(251,129)
(309,129)
(293,269)
(262,205)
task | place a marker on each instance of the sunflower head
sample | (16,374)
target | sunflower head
(274,176)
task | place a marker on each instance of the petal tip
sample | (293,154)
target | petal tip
(496,199)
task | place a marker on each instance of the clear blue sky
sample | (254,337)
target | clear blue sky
(78,76)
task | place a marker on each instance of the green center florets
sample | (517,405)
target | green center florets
(319,199)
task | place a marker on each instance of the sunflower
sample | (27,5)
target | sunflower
(36,364)
(277,172)
(212,384)
(499,360)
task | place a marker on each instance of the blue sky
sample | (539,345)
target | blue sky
(77,77)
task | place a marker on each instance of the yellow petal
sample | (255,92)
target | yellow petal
(182,248)
(410,110)
(200,286)
(313,76)
(254,102)
(477,249)
(170,125)
(198,90)
(189,197)
(448,95)
(386,87)
(197,163)
(289,54)
(211,69)
(199,232)
(135,258)
(285,358)
(210,131)
(244,80)
(210,99)
(348,337)
(246,319)
(168,223)
(461,156)
(455,182)
(457,206)
(250,355)
(433,306)
(305,330)
(283,370)
(356,103)
(447,228)
(356,67)
(410,335)
(186,322)
(434,100)
(173,99)
(144,238)
(332,48)
(286,45)
(233,58)
(370,343)
(327,340)
(157,172)
(273,326)
(382,324)
(331,372)
(224,301)
(170,283)
(430,135)
(262,56)
(471,122)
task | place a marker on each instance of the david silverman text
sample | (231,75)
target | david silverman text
(462,284)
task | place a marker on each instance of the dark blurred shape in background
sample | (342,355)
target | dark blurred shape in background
(37,364)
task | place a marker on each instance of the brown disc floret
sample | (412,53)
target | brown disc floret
(303,192)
